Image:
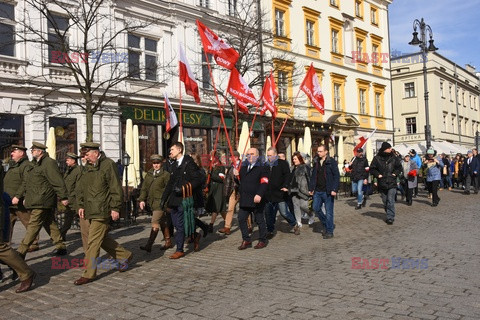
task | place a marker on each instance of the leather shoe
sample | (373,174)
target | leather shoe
(80,281)
(296,230)
(225,230)
(245,245)
(124,265)
(177,255)
(260,245)
(25,285)
(358,207)
(60,252)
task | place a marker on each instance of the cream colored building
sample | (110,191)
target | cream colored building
(454,101)
(348,44)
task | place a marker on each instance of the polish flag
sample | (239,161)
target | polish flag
(187,77)
(169,114)
(363,141)
(269,95)
(238,88)
(312,89)
(223,53)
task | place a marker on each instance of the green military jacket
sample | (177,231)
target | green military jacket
(153,188)
(71,177)
(99,190)
(42,184)
(14,178)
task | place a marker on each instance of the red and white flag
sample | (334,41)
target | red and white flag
(363,141)
(187,77)
(223,53)
(170,115)
(269,95)
(238,87)
(312,89)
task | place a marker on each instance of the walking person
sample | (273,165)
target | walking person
(231,192)
(470,170)
(152,191)
(410,172)
(386,168)
(71,177)
(298,187)
(433,172)
(416,158)
(477,156)
(253,180)
(100,197)
(215,198)
(324,184)
(41,186)
(359,176)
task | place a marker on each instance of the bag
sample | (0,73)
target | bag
(412,173)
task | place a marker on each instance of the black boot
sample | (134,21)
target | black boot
(202,225)
(151,240)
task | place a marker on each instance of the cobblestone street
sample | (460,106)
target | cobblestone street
(295,277)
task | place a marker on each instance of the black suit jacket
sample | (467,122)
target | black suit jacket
(252,183)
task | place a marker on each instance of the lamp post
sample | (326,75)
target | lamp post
(422,43)
(126,163)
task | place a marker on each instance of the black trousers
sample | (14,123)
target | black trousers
(259,215)
(433,189)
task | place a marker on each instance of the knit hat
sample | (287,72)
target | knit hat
(413,152)
(430,151)
(385,146)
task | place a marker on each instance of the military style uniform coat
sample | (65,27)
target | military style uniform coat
(99,189)
(251,183)
(14,179)
(71,178)
(42,184)
(216,199)
(153,187)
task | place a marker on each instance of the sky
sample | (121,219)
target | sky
(455,25)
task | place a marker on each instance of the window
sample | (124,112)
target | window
(475,103)
(441,90)
(460,126)
(282,86)
(11,132)
(57,35)
(375,55)
(373,16)
(142,53)
(359,48)
(280,23)
(445,122)
(205,71)
(310,27)
(337,97)
(463,98)
(361,95)
(7,29)
(450,92)
(334,3)
(359,8)
(335,41)
(411,125)
(232,7)
(453,124)
(204,3)
(65,137)
(378,104)
(409,90)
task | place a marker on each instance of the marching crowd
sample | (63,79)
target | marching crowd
(179,189)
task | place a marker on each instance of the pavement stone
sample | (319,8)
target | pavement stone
(294,277)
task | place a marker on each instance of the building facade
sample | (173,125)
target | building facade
(453,92)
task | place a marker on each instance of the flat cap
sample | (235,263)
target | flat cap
(72,155)
(38,145)
(90,146)
(156,157)
(17,147)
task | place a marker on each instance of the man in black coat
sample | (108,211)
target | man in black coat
(277,193)
(183,171)
(253,181)
(359,176)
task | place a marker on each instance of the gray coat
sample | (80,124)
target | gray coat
(300,181)
(406,168)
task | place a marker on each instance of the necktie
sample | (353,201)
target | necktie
(469,160)
(249,167)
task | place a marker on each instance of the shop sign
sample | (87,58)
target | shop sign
(157,115)
(412,137)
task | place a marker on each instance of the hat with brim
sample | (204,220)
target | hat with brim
(87,146)
(156,157)
(38,145)
(72,155)
(17,147)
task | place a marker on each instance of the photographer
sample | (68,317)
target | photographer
(433,168)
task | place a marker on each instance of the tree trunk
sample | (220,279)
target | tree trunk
(89,118)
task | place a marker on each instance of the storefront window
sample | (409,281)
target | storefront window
(148,143)
(66,138)
(196,141)
(11,132)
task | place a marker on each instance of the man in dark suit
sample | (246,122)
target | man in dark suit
(184,170)
(471,167)
(253,181)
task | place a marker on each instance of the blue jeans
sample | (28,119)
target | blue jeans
(357,186)
(388,198)
(320,198)
(177,220)
(271,209)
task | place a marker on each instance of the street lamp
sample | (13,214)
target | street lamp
(422,42)
(126,163)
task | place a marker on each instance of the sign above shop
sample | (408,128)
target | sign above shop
(157,115)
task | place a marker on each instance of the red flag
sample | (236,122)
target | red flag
(363,141)
(269,95)
(169,114)
(238,88)
(187,77)
(223,53)
(312,89)
(242,106)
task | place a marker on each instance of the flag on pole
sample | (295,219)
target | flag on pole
(363,141)
(269,95)
(187,77)
(242,106)
(223,53)
(238,87)
(169,114)
(312,89)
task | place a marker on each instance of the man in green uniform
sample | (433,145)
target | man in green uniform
(99,198)
(12,183)
(152,190)
(10,257)
(71,176)
(41,186)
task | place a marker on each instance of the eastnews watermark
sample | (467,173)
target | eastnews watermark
(92,57)
(393,263)
(378,58)
(77,263)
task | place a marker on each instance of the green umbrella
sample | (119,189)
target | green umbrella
(188,210)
